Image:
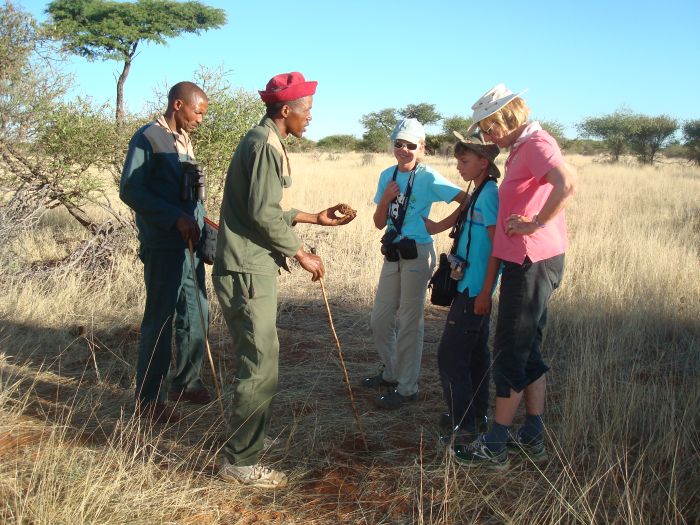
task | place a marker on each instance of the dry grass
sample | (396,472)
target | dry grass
(623,416)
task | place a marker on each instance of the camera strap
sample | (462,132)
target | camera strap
(458,228)
(398,223)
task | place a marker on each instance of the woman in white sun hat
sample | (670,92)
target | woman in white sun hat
(405,193)
(530,240)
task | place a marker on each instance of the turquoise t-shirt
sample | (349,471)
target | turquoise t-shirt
(484,213)
(428,187)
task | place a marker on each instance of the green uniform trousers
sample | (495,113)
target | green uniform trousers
(170,290)
(249,306)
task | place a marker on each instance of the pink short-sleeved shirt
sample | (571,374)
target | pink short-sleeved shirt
(524,191)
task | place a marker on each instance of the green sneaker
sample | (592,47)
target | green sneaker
(534,451)
(477,454)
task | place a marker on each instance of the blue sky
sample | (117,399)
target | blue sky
(576,58)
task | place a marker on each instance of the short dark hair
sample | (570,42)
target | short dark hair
(185,91)
(273,109)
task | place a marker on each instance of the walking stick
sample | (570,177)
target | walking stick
(204,330)
(342,362)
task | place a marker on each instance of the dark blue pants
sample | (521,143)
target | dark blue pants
(522,316)
(170,296)
(464,361)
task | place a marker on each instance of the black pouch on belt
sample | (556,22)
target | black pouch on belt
(407,248)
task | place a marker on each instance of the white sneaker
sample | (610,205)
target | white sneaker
(253,476)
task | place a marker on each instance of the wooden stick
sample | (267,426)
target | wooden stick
(342,364)
(204,331)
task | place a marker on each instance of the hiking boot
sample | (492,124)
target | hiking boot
(198,396)
(394,400)
(378,381)
(253,476)
(535,451)
(458,437)
(478,454)
(157,412)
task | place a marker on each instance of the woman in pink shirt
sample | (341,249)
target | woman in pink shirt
(530,240)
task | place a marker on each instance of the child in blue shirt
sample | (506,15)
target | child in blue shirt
(463,355)
(405,192)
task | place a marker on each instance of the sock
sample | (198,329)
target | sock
(532,430)
(496,438)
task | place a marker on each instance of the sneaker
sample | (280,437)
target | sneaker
(534,451)
(477,454)
(253,476)
(378,381)
(198,396)
(157,412)
(394,400)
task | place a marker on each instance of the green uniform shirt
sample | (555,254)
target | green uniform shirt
(255,234)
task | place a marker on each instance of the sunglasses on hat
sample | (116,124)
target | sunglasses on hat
(407,145)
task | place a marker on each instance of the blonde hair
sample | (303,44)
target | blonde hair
(510,117)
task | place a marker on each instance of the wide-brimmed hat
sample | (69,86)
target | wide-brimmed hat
(476,143)
(410,130)
(490,102)
(286,87)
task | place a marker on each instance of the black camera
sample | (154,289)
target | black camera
(193,187)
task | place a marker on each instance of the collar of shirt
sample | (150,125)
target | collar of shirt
(530,129)
(181,141)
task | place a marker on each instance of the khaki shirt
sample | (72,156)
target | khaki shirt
(255,234)
(182,142)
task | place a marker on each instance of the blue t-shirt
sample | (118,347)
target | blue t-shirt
(484,213)
(428,187)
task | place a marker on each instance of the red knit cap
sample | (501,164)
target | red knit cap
(286,87)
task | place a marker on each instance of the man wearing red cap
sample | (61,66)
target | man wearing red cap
(254,240)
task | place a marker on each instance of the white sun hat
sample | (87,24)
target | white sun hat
(490,102)
(409,129)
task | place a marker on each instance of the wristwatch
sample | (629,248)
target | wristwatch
(537,222)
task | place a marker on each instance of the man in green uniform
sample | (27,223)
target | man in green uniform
(159,183)
(255,238)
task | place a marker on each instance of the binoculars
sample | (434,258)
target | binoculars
(192,187)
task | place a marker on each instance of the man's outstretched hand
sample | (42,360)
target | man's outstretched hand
(337,215)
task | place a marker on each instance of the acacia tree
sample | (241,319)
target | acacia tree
(650,134)
(691,137)
(110,30)
(614,130)
(425,113)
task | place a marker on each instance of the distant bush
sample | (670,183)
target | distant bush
(339,143)
(580,146)
(299,145)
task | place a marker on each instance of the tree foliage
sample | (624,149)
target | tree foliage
(384,121)
(691,139)
(614,129)
(29,81)
(425,113)
(111,30)
(338,143)
(556,130)
(649,134)
(455,123)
